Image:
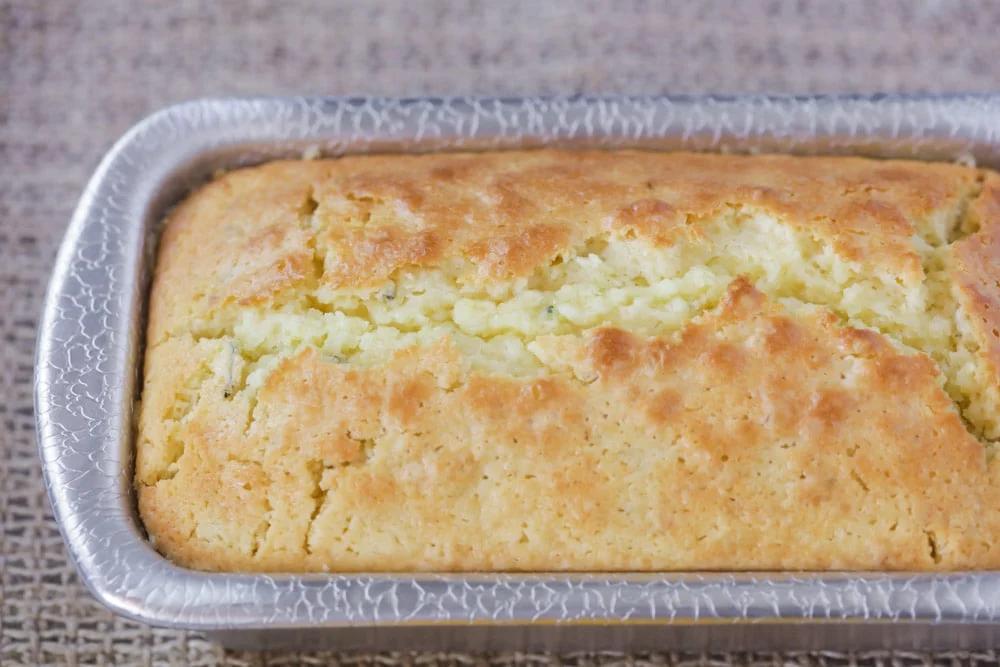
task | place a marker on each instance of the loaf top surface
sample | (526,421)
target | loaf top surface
(554,360)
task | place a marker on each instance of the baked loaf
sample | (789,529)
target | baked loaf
(576,361)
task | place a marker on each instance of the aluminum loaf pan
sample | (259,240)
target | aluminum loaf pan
(90,352)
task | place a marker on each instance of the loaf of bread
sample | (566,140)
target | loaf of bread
(586,361)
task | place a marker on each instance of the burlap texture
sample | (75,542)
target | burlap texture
(75,75)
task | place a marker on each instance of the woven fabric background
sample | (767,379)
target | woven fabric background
(76,75)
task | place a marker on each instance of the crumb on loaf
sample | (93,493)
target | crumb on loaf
(587,360)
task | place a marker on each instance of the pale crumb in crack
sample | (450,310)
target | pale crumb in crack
(311,152)
(618,281)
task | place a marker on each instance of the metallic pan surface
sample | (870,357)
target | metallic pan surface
(89,357)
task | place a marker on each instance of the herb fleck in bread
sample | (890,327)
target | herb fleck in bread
(576,361)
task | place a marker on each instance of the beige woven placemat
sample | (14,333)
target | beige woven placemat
(75,75)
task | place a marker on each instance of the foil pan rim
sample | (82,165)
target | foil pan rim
(90,334)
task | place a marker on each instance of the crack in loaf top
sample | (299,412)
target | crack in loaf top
(576,360)
(505,214)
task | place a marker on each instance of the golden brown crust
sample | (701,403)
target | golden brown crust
(507,213)
(754,437)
